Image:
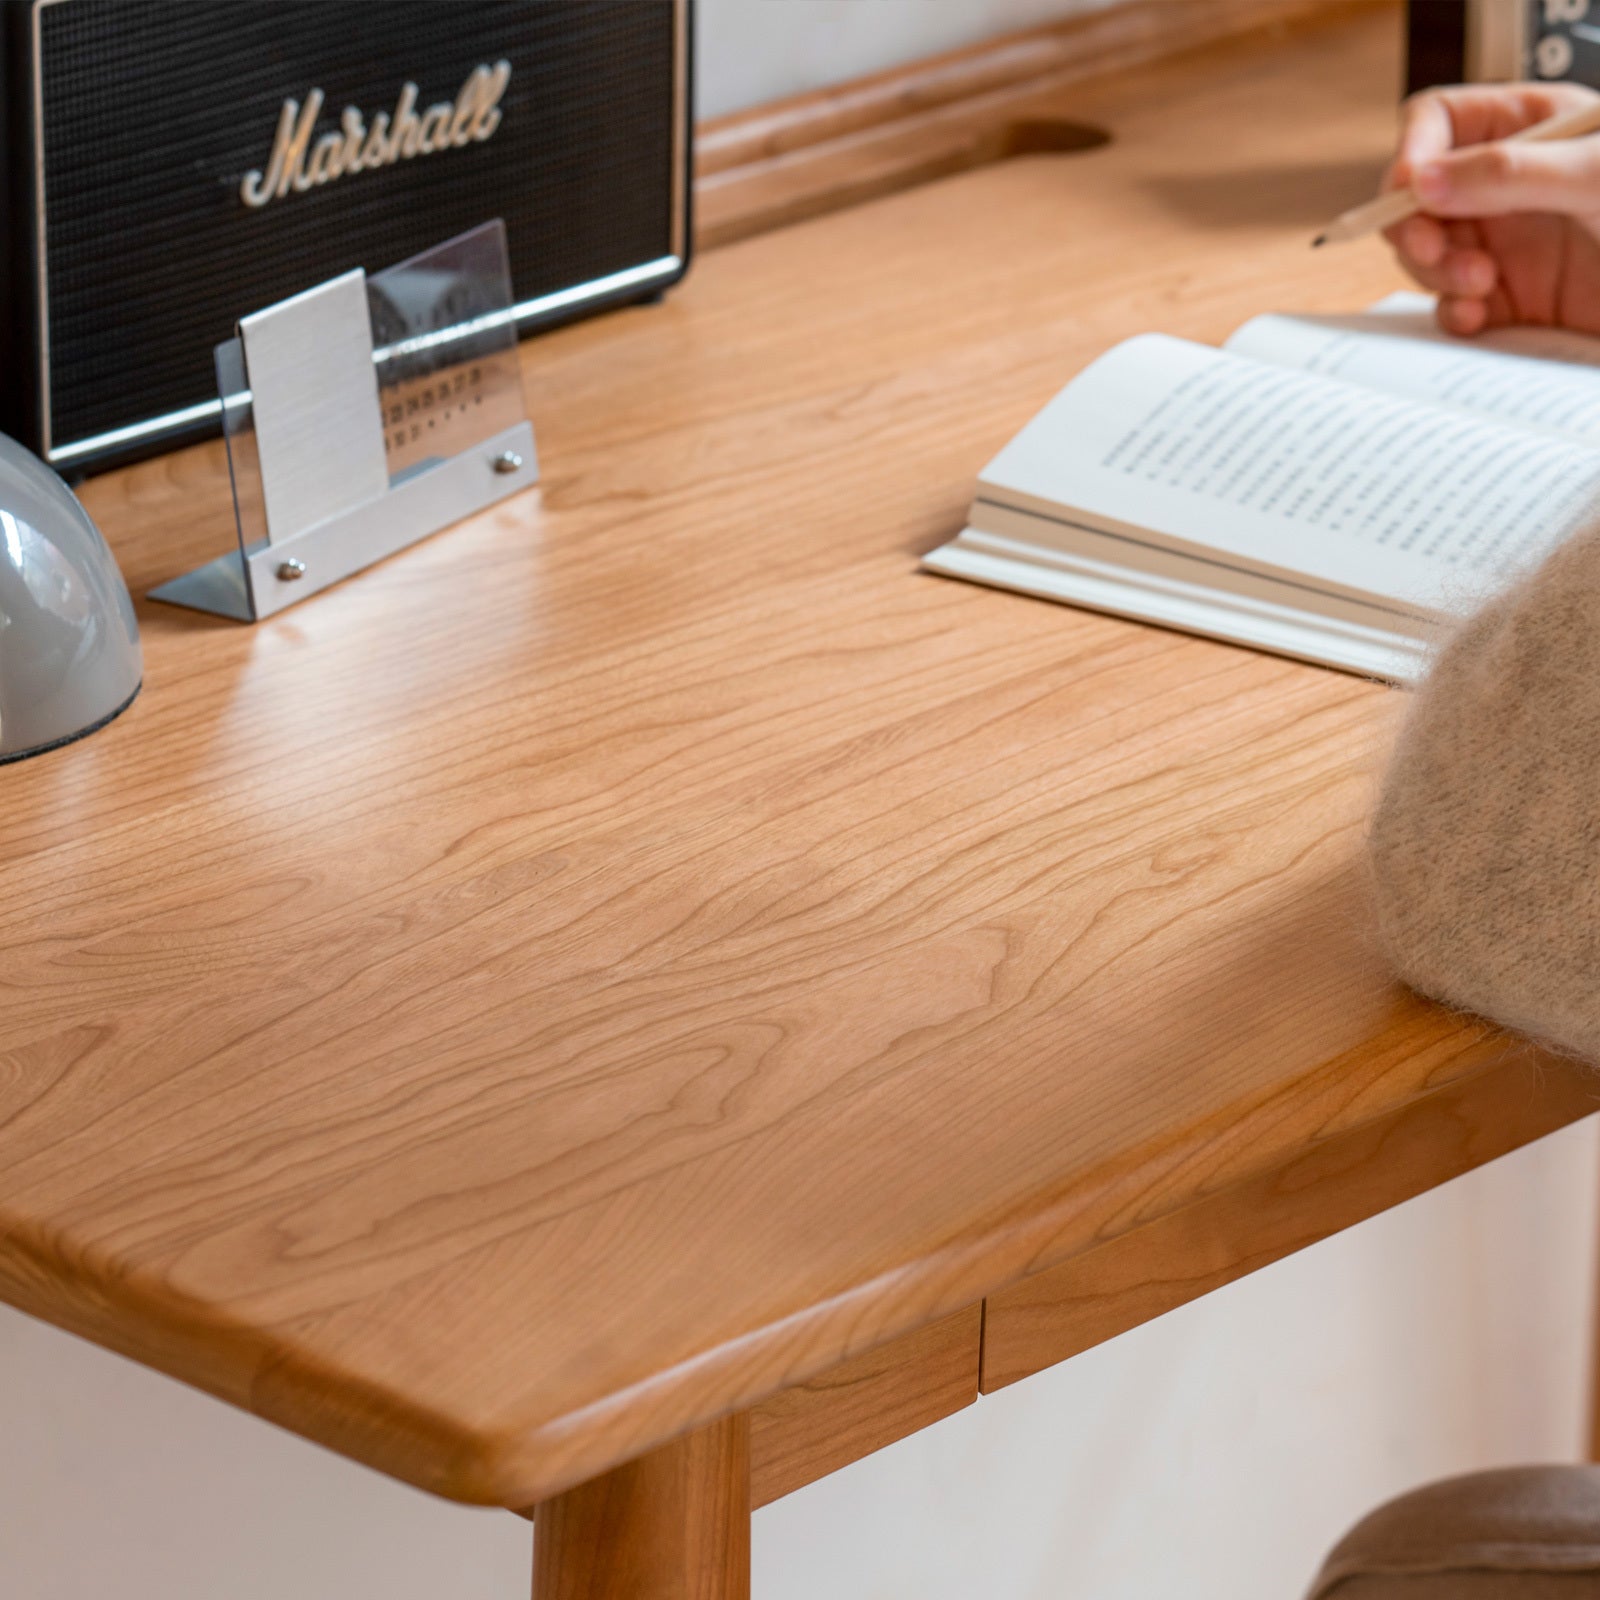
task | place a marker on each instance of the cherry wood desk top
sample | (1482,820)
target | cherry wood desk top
(650,943)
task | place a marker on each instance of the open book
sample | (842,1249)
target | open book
(1332,488)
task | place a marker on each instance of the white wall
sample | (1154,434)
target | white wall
(749,51)
(1211,1454)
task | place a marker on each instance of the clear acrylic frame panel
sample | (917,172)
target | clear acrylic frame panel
(445,361)
(444,343)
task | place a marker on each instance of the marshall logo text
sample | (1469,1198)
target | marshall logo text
(297,164)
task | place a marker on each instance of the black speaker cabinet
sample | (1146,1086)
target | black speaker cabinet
(170,165)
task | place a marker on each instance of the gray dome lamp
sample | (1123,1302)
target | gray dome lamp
(69,645)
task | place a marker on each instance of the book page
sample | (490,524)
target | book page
(1544,378)
(1289,472)
(1132,579)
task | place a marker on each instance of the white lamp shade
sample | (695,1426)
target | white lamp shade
(69,645)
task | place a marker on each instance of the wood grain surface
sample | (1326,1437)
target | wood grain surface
(1338,1181)
(991,101)
(649,944)
(805,1432)
(673,1525)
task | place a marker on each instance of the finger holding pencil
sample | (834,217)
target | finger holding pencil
(1493,203)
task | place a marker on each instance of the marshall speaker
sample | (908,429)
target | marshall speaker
(172,164)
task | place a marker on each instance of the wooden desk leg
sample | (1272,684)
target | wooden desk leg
(1594,1364)
(673,1525)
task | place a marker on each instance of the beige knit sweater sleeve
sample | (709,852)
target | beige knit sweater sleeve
(1486,842)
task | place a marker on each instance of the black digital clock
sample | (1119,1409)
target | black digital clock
(1564,41)
(1472,41)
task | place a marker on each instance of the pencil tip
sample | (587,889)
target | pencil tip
(1320,240)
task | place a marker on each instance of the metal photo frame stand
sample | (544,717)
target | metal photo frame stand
(361,416)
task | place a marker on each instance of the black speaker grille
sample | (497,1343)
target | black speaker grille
(153,111)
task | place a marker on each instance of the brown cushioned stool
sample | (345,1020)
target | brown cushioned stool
(1521,1533)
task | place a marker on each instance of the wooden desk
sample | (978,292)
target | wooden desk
(627,978)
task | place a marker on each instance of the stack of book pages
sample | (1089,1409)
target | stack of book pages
(1331,488)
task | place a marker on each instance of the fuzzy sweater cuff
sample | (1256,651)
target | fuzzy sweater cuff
(1486,842)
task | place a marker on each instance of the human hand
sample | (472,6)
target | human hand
(1509,233)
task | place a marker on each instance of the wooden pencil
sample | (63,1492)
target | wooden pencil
(1388,209)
